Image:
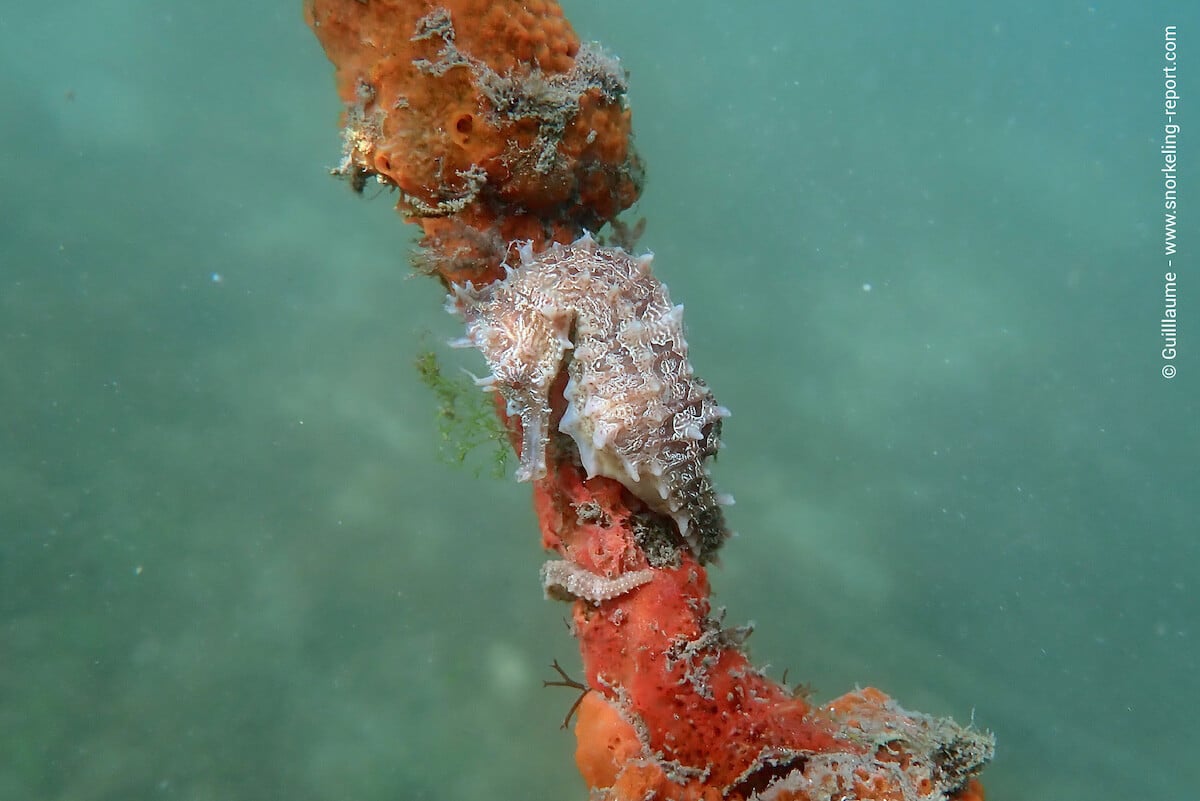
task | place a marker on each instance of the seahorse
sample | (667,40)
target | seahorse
(635,409)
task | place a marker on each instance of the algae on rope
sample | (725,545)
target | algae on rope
(466,419)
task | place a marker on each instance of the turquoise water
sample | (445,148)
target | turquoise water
(921,253)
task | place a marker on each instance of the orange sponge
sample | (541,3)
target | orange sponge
(495,123)
(490,117)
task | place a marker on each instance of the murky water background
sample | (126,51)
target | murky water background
(920,252)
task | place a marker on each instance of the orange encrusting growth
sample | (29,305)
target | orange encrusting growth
(610,758)
(677,711)
(495,124)
(491,118)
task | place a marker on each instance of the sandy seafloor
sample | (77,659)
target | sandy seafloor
(920,247)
